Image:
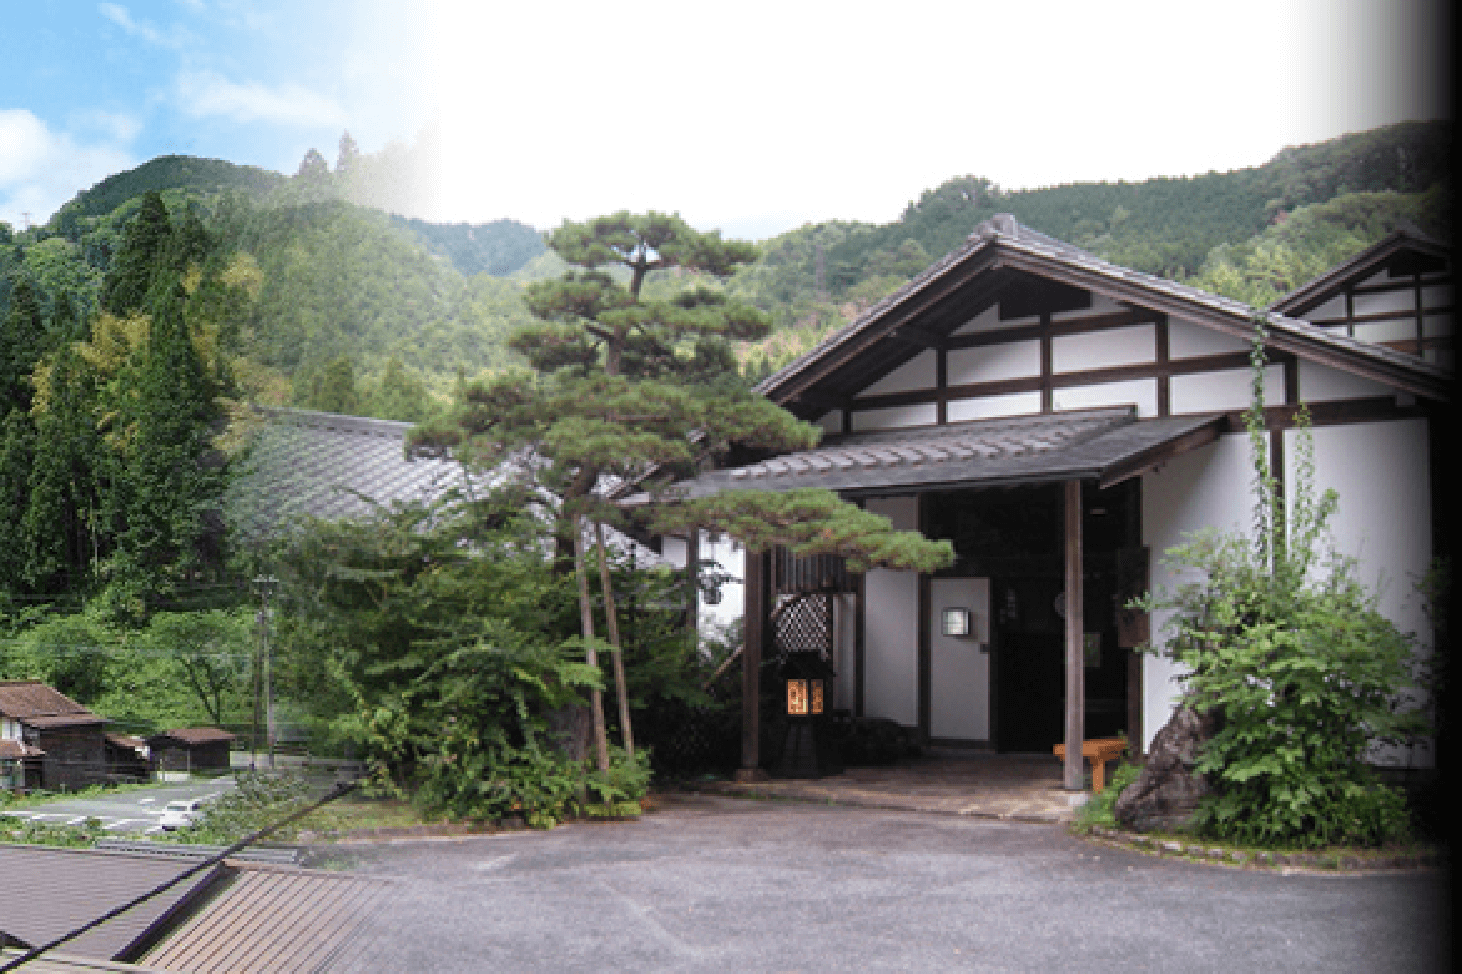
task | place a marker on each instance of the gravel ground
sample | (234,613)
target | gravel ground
(723,884)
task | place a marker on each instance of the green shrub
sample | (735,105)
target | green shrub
(1279,635)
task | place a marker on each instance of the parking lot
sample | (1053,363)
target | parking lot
(125,813)
(712,883)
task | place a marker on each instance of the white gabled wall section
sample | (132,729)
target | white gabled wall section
(1207,488)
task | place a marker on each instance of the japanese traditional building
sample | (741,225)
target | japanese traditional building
(48,740)
(1063,421)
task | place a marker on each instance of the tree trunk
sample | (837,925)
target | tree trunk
(586,623)
(611,615)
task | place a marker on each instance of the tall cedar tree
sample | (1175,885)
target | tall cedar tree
(145,247)
(167,479)
(626,386)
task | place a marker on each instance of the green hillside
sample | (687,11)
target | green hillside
(346,301)
(815,278)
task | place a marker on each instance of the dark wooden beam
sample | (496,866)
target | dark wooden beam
(753,632)
(1074,771)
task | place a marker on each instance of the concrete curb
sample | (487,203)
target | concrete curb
(1306,862)
(752,791)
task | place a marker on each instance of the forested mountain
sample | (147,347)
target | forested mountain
(1223,231)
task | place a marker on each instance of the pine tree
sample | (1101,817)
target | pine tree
(627,386)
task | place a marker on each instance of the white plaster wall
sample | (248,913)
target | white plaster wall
(1333,308)
(1141,393)
(1374,304)
(1320,383)
(1012,404)
(1399,329)
(1205,488)
(1436,296)
(918,372)
(831,421)
(1131,345)
(714,620)
(891,627)
(1204,392)
(1188,339)
(891,646)
(959,685)
(988,363)
(895,417)
(1381,473)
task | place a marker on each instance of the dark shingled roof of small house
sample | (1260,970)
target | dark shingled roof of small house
(193,735)
(33,702)
(305,464)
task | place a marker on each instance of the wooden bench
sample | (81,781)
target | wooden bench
(1098,751)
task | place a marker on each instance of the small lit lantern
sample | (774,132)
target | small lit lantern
(807,751)
(957,623)
(804,697)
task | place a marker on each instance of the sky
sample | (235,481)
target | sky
(753,117)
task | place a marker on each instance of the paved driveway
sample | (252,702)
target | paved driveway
(726,884)
(128,812)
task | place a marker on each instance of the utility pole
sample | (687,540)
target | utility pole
(265,585)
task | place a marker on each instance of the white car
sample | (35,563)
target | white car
(183,812)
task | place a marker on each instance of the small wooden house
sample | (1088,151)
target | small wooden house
(1063,421)
(48,740)
(190,749)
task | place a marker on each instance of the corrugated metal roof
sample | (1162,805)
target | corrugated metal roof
(1100,444)
(54,963)
(49,892)
(324,465)
(272,920)
(31,702)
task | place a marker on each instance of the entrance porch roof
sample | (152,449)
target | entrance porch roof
(1105,445)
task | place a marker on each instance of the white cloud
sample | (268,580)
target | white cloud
(206,94)
(174,38)
(40,169)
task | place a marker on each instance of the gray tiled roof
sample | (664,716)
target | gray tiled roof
(1089,444)
(324,465)
(1012,239)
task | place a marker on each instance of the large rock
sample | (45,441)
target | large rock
(1168,790)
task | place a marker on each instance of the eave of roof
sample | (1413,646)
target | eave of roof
(1003,242)
(1103,445)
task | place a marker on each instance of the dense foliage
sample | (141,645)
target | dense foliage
(1279,635)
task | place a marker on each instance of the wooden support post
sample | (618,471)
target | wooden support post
(693,587)
(1074,772)
(752,633)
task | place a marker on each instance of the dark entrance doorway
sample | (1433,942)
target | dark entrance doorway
(1013,536)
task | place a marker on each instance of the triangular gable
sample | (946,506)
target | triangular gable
(1003,257)
(1406,244)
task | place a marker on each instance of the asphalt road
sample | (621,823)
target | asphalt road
(720,884)
(128,812)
